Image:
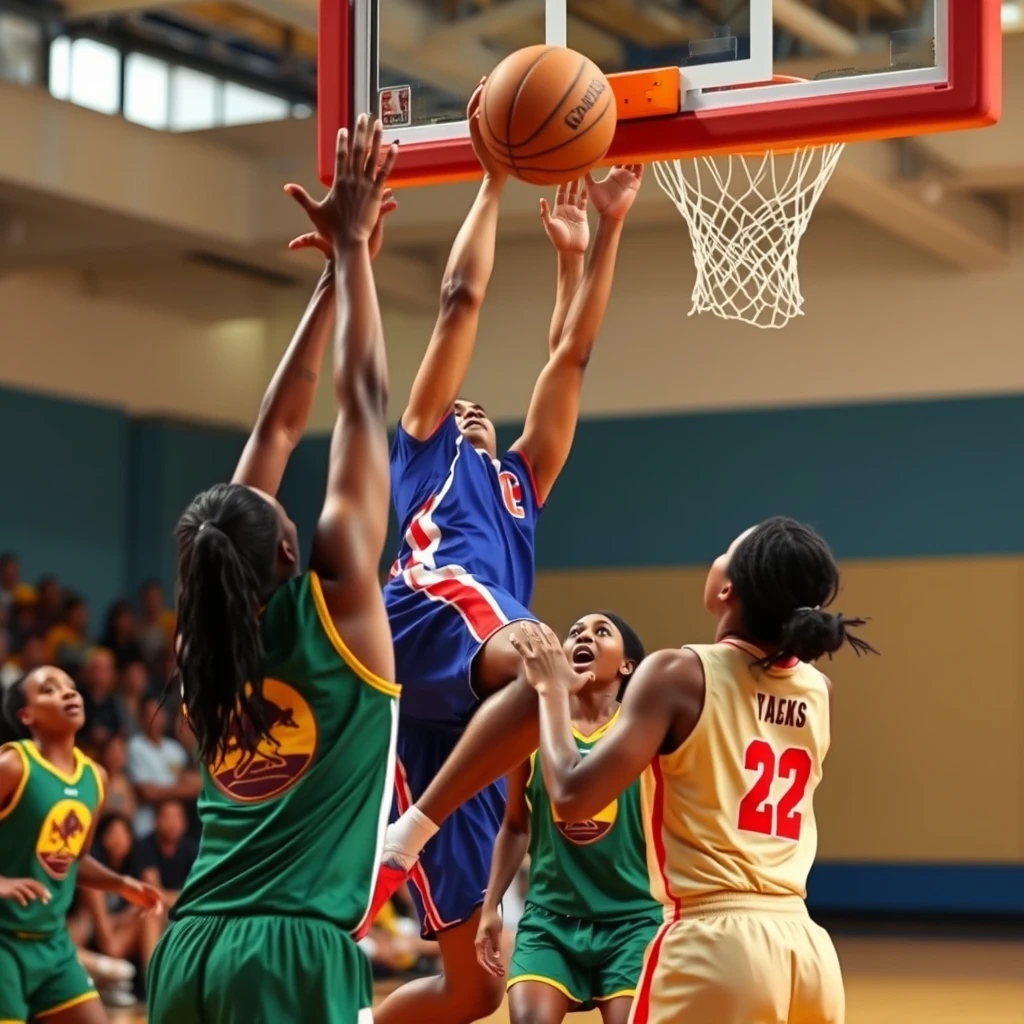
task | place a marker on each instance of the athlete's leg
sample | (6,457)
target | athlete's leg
(462,993)
(616,1011)
(533,1002)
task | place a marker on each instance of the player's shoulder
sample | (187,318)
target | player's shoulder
(14,765)
(677,669)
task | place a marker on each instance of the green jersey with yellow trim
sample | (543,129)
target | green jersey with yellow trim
(295,825)
(592,870)
(43,830)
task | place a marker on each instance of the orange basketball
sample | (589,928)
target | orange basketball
(547,114)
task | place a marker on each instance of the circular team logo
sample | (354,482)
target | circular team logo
(62,837)
(251,772)
(583,833)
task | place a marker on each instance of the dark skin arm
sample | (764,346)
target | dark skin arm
(555,406)
(510,849)
(24,890)
(662,705)
(352,529)
(93,875)
(446,362)
(288,402)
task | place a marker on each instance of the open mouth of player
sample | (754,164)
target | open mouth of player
(582,655)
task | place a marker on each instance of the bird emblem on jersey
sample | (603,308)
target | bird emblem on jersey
(583,833)
(251,769)
(62,837)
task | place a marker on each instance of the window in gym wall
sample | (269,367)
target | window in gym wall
(95,76)
(194,100)
(147,90)
(248,106)
(21,49)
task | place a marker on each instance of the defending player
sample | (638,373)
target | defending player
(735,734)
(589,911)
(465,573)
(287,677)
(51,798)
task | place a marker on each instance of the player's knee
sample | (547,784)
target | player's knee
(482,996)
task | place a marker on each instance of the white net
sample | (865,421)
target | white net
(746,216)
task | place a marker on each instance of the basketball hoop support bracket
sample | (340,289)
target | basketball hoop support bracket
(643,94)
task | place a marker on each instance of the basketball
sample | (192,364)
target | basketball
(547,114)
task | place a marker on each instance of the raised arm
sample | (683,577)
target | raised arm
(288,402)
(555,405)
(466,276)
(666,688)
(566,225)
(510,849)
(350,536)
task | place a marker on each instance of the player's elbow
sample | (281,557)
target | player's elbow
(571,805)
(574,351)
(362,389)
(460,295)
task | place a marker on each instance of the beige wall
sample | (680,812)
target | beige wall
(882,322)
(927,758)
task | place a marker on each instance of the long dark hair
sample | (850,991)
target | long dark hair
(784,575)
(227,552)
(11,726)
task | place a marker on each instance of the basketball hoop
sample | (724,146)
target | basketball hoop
(746,215)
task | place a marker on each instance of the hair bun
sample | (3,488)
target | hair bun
(811,633)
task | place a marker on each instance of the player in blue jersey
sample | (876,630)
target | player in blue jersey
(465,574)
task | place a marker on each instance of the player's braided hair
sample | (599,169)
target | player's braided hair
(227,544)
(11,726)
(784,575)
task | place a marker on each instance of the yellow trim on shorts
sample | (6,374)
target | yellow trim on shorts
(20,791)
(544,981)
(626,993)
(368,677)
(12,1022)
(77,1001)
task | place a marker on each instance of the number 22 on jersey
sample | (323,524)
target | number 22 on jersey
(757,812)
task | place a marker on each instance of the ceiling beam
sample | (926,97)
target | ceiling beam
(639,21)
(814,28)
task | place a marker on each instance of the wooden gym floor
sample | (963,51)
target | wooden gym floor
(910,981)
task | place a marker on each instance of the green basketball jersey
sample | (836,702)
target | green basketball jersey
(589,870)
(297,826)
(42,836)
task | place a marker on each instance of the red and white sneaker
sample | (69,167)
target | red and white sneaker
(390,878)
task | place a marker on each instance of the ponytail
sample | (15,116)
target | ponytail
(227,542)
(809,634)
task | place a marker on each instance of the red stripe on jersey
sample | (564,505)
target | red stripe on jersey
(658,833)
(468,601)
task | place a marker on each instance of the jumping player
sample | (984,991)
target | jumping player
(589,911)
(286,677)
(51,798)
(465,574)
(735,734)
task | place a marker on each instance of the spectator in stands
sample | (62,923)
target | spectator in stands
(133,690)
(32,655)
(166,857)
(66,642)
(156,629)
(102,713)
(48,602)
(120,794)
(21,621)
(120,634)
(158,767)
(10,573)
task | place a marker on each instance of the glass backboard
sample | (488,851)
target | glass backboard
(755,74)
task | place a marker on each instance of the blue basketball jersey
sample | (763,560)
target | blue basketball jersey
(467,524)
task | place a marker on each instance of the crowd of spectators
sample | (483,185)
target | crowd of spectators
(133,727)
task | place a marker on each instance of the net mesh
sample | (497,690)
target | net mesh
(746,216)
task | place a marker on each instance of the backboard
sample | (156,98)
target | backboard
(869,69)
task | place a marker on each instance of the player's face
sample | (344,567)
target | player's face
(595,645)
(475,427)
(288,547)
(717,587)
(53,704)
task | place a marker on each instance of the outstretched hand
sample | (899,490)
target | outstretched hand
(566,224)
(314,240)
(142,895)
(614,196)
(488,942)
(492,168)
(544,660)
(349,213)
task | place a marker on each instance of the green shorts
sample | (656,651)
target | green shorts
(40,976)
(590,962)
(258,970)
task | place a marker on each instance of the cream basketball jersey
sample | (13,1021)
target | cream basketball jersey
(732,810)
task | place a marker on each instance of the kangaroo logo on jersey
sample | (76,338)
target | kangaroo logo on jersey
(251,772)
(583,833)
(62,837)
